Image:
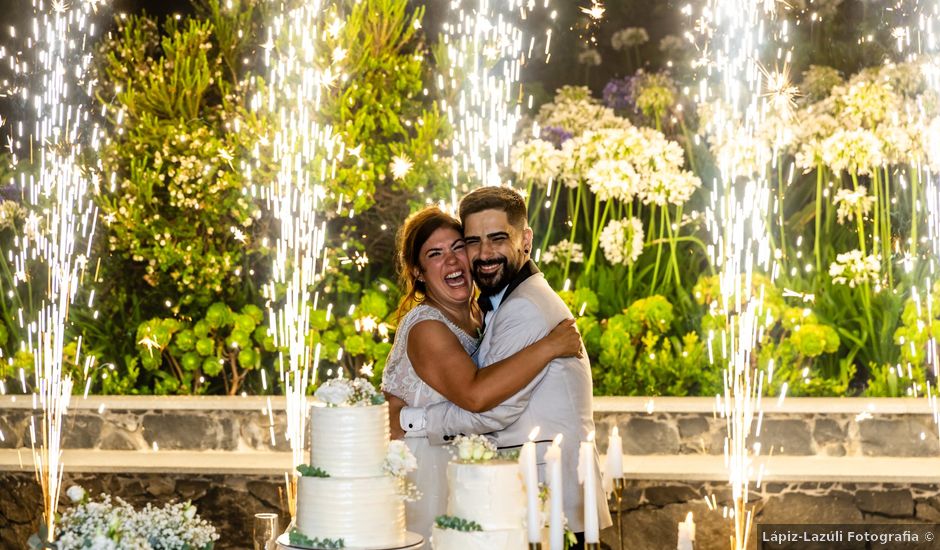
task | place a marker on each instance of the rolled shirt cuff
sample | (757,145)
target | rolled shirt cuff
(413,419)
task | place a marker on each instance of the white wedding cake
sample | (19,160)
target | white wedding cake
(485,506)
(360,501)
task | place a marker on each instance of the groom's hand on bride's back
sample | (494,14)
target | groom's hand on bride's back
(395,405)
(565,339)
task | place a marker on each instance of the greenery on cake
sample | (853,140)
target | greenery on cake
(457,524)
(474,448)
(297,538)
(345,392)
(311,471)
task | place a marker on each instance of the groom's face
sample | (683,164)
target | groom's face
(496,249)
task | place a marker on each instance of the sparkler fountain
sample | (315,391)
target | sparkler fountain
(302,151)
(735,34)
(61,189)
(484,52)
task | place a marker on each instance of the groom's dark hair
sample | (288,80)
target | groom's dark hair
(506,199)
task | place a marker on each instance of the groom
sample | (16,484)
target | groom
(520,308)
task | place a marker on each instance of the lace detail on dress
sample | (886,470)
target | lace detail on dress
(399,377)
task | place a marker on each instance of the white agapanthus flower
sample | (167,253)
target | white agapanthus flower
(589,57)
(852,151)
(622,241)
(399,460)
(561,251)
(854,269)
(850,202)
(574,110)
(613,179)
(629,37)
(536,160)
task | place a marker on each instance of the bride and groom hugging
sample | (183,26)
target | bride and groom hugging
(500,365)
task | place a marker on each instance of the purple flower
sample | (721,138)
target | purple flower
(555,135)
(618,94)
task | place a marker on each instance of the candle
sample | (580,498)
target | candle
(530,476)
(686,533)
(556,517)
(589,479)
(615,455)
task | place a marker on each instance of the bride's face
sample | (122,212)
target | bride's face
(445,268)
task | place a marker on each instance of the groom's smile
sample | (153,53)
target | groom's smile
(497,250)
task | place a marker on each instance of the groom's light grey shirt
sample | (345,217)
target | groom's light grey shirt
(557,401)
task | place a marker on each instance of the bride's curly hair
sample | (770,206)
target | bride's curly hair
(412,235)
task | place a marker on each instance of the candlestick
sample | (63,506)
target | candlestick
(556,529)
(618,495)
(530,477)
(589,479)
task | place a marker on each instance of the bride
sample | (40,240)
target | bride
(432,358)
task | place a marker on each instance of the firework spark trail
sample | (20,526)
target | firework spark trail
(304,156)
(59,58)
(486,50)
(734,37)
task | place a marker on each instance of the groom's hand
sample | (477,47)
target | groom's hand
(395,405)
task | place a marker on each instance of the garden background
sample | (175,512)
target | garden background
(616,167)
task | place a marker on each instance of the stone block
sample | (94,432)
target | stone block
(802,508)
(895,504)
(924,511)
(670,494)
(898,436)
(786,437)
(827,430)
(81,431)
(116,440)
(268,494)
(694,426)
(644,436)
(189,431)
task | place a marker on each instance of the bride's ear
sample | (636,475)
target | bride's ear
(416,273)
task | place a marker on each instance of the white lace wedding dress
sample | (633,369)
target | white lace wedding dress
(401,380)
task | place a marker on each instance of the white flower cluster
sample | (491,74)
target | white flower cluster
(536,160)
(851,202)
(399,461)
(561,251)
(854,269)
(474,448)
(590,57)
(343,392)
(106,525)
(618,160)
(629,37)
(622,241)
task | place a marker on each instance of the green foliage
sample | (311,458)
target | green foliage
(641,354)
(223,345)
(299,539)
(311,471)
(457,524)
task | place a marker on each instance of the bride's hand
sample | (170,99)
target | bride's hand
(565,340)
(395,405)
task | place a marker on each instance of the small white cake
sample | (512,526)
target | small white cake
(492,495)
(358,502)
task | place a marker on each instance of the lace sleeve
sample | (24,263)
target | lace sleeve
(399,377)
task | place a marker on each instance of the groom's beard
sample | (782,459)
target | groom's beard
(491,283)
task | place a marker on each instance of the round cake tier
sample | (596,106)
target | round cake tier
(502,539)
(489,493)
(364,512)
(349,441)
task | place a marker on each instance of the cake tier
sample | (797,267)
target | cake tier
(502,539)
(489,493)
(364,512)
(349,441)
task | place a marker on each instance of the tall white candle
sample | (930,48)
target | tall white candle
(589,479)
(530,476)
(556,517)
(615,455)
(686,533)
